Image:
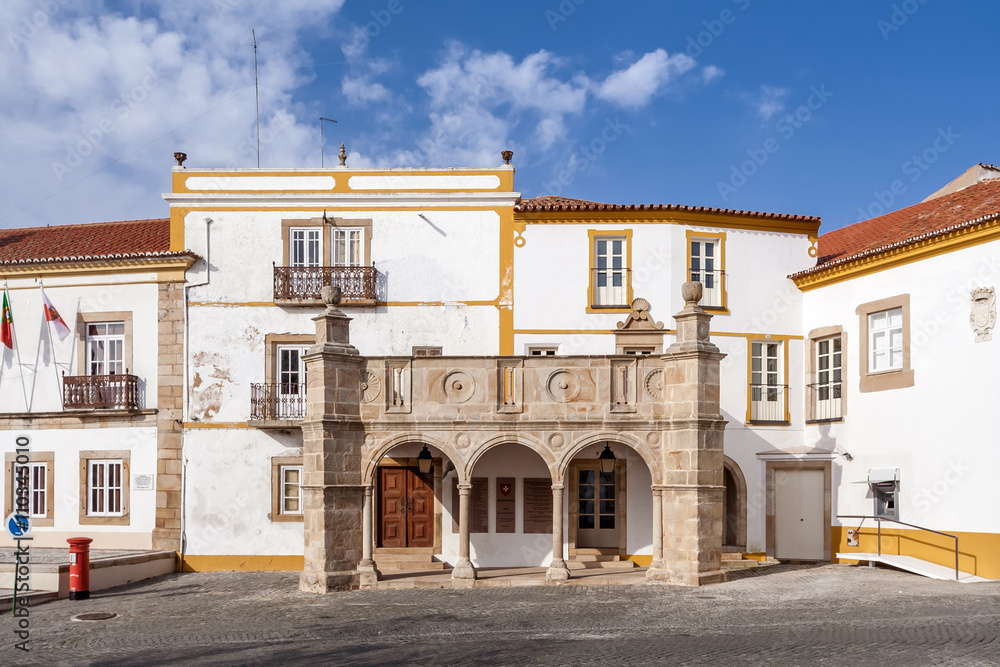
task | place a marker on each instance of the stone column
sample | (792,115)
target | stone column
(369,574)
(332,438)
(464,570)
(657,569)
(692,457)
(557,568)
(170,403)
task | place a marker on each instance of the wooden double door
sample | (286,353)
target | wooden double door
(406,507)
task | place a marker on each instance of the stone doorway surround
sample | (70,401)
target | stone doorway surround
(663,407)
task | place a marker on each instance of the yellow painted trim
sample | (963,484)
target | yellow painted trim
(397,304)
(984,232)
(177,217)
(509,236)
(978,553)
(592,235)
(731,334)
(757,336)
(169,266)
(240,563)
(248,304)
(331,208)
(641,561)
(53,288)
(692,234)
(217,425)
(751,338)
(341,177)
(692,218)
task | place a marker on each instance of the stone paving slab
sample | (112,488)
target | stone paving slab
(51,556)
(780,615)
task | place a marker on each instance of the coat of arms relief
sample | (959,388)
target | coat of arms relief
(984,313)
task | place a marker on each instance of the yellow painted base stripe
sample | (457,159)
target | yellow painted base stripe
(240,563)
(978,553)
(641,561)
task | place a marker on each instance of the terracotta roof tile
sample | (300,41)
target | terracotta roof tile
(549,203)
(908,225)
(100,240)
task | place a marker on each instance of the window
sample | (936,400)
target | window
(767,387)
(543,350)
(287,502)
(824,374)
(348,247)
(638,351)
(426,351)
(37,478)
(106,348)
(306,246)
(610,277)
(707,266)
(104,487)
(885,340)
(885,344)
(291,389)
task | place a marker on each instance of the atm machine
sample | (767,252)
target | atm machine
(884,483)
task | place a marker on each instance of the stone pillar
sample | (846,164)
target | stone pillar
(464,571)
(369,574)
(332,438)
(692,457)
(170,403)
(657,569)
(557,568)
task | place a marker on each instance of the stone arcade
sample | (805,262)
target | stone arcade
(665,408)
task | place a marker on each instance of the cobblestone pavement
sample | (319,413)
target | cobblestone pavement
(782,615)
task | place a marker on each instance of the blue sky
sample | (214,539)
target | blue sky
(793,107)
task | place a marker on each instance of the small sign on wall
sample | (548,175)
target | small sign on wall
(505,504)
(142,482)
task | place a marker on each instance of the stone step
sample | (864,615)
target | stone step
(737,555)
(597,558)
(737,564)
(405,558)
(600,565)
(597,551)
(404,551)
(408,566)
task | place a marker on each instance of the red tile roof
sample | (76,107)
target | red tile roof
(549,203)
(965,207)
(100,240)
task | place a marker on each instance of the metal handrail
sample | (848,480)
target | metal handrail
(880,519)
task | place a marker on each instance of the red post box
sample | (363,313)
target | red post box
(79,568)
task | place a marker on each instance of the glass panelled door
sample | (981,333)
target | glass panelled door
(609,272)
(290,394)
(766,391)
(705,270)
(597,519)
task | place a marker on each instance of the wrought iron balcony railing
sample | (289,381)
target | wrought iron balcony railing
(609,288)
(119,391)
(825,401)
(767,403)
(277,401)
(303,283)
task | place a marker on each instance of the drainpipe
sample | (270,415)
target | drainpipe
(187,382)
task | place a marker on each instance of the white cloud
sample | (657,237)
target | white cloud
(710,73)
(360,90)
(766,103)
(636,85)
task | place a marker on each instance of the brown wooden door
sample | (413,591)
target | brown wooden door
(406,508)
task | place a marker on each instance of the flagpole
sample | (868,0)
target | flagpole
(17,348)
(52,344)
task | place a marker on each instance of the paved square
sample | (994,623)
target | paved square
(781,615)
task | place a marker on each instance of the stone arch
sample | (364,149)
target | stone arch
(734,505)
(625,439)
(515,439)
(372,461)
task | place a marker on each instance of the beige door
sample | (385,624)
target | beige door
(597,520)
(798,515)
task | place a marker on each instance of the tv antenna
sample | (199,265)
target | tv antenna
(322,142)
(256,91)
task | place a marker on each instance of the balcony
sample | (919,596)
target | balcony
(824,400)
(713,286)
(767,404)
(277,402)
(300,285)
(101,392)
(610,288)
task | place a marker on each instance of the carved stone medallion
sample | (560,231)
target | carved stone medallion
(984,313)
(654,384)
(459,386)
(563,386)
(556,441)
(371,387)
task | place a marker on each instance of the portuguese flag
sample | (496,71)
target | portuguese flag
(6,322)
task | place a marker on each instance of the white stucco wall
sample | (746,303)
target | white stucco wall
(939,432)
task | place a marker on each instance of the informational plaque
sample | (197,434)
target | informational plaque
(505,505)
(142,482)
(538,505)
(480,517)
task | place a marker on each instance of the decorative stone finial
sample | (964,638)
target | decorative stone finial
(507,156)
(180,157)
(640,318)
(343,156)
(692,291)
(332,295)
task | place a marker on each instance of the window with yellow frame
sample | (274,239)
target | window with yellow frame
(707,265)
(610,270)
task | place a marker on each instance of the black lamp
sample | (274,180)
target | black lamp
(425,460)
(607,459)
